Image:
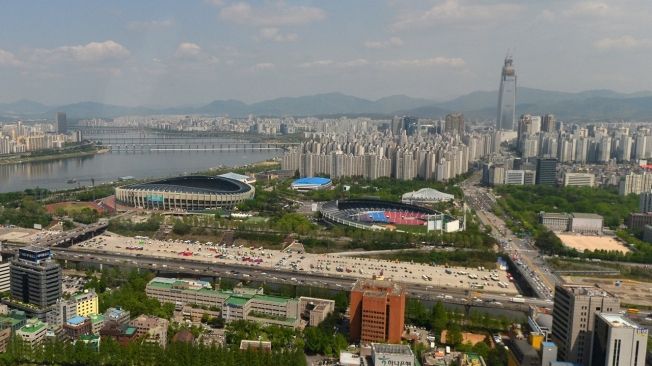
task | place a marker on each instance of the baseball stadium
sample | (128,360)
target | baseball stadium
(371,214)
(188,193)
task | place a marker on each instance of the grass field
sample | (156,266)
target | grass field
(70,206)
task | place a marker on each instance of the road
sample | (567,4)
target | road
(523,252)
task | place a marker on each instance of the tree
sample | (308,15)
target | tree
(438,317)
(181,228)
(454,335)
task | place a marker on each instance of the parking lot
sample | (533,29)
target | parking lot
(476,279)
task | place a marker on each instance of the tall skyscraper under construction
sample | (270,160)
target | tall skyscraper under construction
(507,97)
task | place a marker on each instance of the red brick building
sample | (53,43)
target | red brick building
(377,311)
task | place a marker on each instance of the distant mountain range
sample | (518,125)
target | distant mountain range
(589,105)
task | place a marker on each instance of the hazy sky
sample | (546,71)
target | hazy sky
(173,52)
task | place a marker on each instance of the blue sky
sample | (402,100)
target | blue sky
(164,53)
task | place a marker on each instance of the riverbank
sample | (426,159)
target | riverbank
(60,155)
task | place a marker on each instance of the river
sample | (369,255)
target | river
(110,166)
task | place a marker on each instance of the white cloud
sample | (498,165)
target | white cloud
(456,12)
(271,15)
(435,61)
(275,35)
(150,25)
(264,66)
(589,8)
(392,42)
(8,59)
(622,42)
(88,53)
(330,63)
(316,63)
(187,50)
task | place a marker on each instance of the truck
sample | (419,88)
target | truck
(519,300)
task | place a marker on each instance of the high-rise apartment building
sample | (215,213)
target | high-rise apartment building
(455,123)
(5,278)
(618,341)
(549,123)
(35,277)
(574,317)
(546,171)
(377,311)
(507,97)
(645,202)
(61,122)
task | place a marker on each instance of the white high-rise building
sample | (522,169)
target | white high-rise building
(618,341)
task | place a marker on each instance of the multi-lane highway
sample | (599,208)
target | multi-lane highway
(527,258)
(188,266)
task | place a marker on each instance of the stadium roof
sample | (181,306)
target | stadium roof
(194,184)
(235,176)
(427,194)
(311,181)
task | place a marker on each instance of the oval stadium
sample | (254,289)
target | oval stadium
(189,193)
(371,214)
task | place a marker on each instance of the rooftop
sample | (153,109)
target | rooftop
(428,194)
(582,290)
(76,320)
(581,215)
(96,318)
(268,298)
(368,285)
(236,301)
(33,327)
(398,349)
(618,321)
(311,181)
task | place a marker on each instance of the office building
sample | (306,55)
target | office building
(579,180)
(618,341)
(546,171)
(377,311)
(515,177)
(410,125)
(573,321)
(63,310)
(507,97)
(454,123)
(61,122)
(35,277)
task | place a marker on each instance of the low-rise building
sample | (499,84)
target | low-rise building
(14,320)
(392,354)
(185,292)
(521,353)
(579,180)
(554,221)
(315,310)
(116,316)
(5,335)
(33,333)
(151,328)
(76,326)
(586,223)
(86,303)
(97,322)
(637,220)
(470,359)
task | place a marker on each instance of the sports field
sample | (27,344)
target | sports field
(591,242)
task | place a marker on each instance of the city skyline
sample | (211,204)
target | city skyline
(172,54)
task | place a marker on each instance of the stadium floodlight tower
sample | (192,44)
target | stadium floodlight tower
(507,97)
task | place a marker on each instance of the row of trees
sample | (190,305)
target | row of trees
(129,228)
(24,213)
(175,354)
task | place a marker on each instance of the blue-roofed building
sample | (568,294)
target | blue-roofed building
(77,326)
(311,184)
